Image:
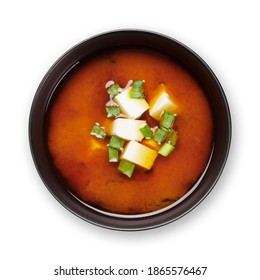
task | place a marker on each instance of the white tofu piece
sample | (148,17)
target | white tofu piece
(162,103)
(139,154)
(127,129)
(132,108)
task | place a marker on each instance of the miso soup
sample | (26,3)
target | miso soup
(83,160)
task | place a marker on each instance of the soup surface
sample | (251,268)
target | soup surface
(82,160)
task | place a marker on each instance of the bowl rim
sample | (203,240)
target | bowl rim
(47,88)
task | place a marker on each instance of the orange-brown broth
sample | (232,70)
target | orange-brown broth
(81,102)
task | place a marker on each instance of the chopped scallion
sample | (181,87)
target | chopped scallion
(171,137)
(166,149)
(116,142)
(167,119)
(112,111)
(160,135)
(126,167)
(137,89)
(98,131)
(147,132)
(113,154)
(113,90)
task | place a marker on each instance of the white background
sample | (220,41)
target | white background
(38,234)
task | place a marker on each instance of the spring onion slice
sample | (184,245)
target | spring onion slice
(126,167)
(112,111)
(166,149)
(146,131)
(116,143)
(98,131)
(113,90)
(113,154)
(160,135)
(137,89)
(167,119)
(171,137)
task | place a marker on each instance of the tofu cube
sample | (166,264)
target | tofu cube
(151,144)
(132,108)
(139,154)
(127,129)
(161,103)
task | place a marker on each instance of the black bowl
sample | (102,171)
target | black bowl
(172,49)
